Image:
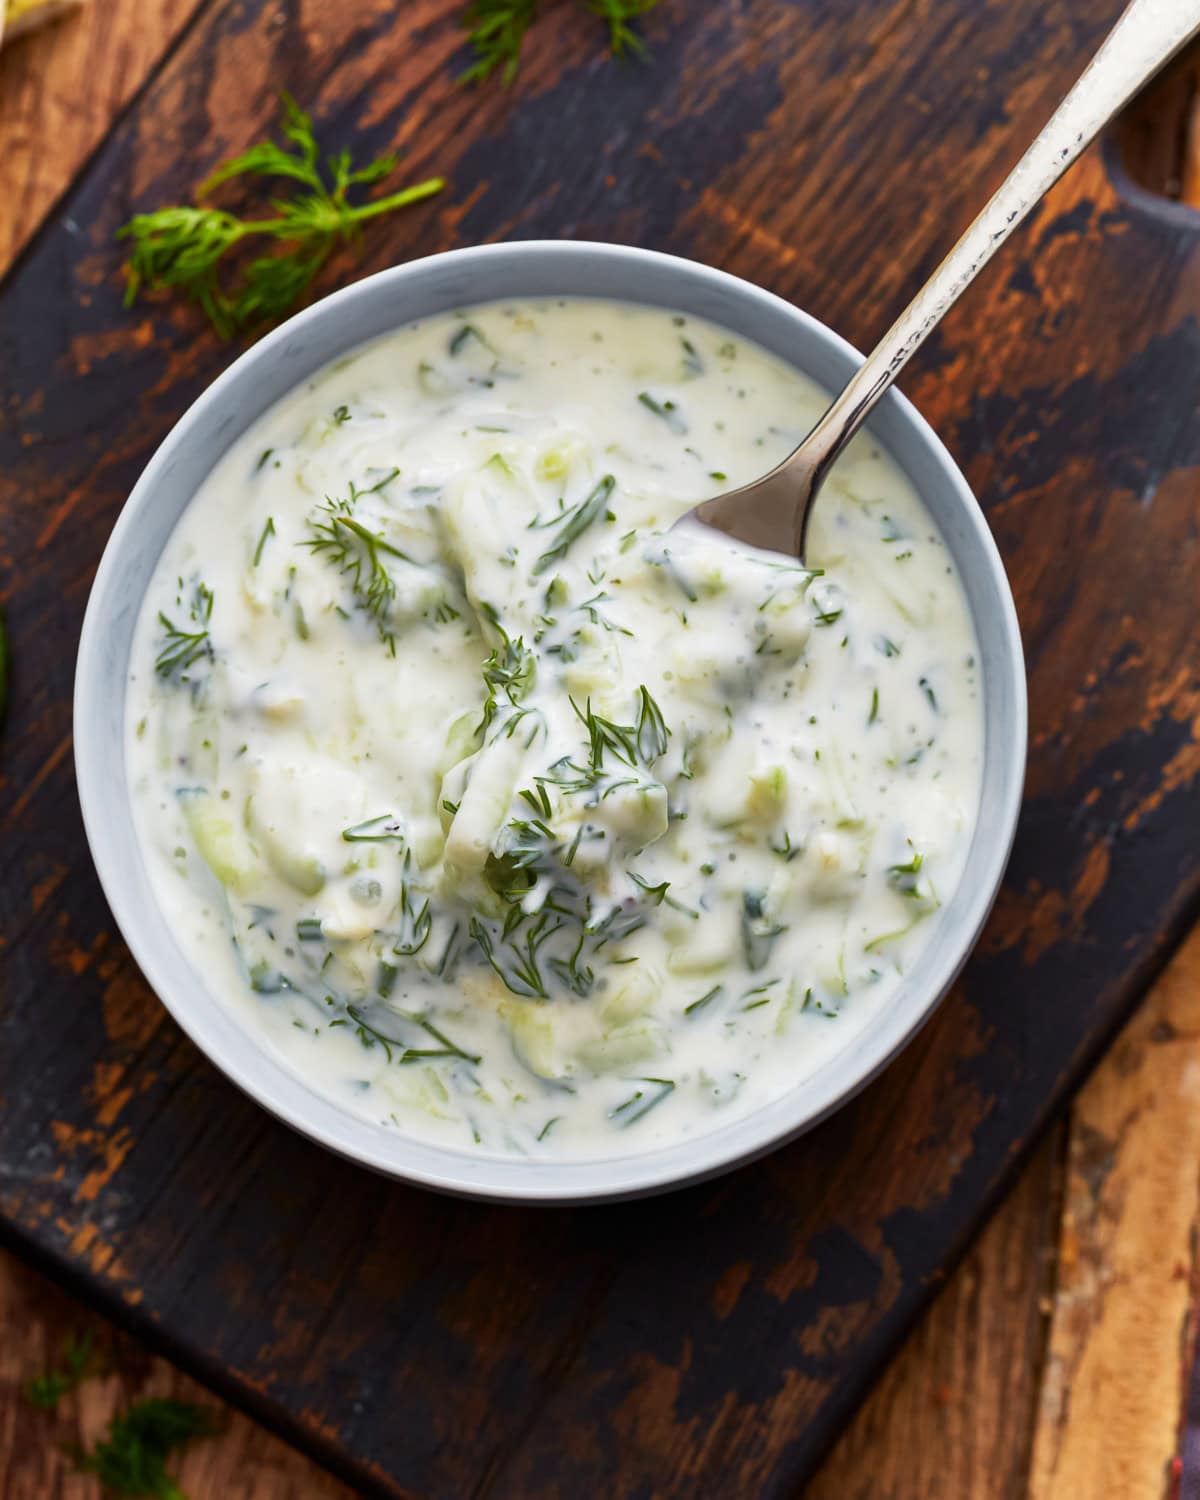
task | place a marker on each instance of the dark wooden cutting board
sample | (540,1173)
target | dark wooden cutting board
(711,1340)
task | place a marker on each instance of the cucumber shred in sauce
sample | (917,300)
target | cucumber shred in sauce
(511,817)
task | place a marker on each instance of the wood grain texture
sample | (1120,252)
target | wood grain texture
(1055,1364)
(947,1386)
(724,1333)
(1123,1334)
(243,1463)
(39,85)
(60,90)
(1156,140)
(953,1416)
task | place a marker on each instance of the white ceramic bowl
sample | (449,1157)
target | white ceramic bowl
(272,368)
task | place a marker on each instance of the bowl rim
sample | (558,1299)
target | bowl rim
(283,1092)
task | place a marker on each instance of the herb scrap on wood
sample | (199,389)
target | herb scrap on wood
(496,30)
(185,247)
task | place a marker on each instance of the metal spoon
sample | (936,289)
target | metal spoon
(773,511)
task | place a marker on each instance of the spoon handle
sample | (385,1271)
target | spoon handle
(1148,33)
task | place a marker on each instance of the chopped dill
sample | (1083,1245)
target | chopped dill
(467,334)
(705,1000)
(759,931)
(267,531)
(786,850)
(181,649)
(382,829)
(574,522)
(370,1036)
(359,553)
(642,1101)
(508,675)
(665,411)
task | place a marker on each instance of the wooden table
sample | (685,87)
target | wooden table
(1086,1278)
(982,1378)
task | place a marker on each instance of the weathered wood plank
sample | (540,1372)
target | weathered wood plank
(60,91)
(953,1416)
(1123,1334)
(39,85)
(723,1334)
(244,1463)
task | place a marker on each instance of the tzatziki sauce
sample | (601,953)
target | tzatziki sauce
(510,817)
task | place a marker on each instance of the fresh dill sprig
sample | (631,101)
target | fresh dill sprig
(644,741)
(358,552)
(416,922)
(181,649)
(516,962)
(131,1459)
(530,849)
(623,40)
(185,247)
(496,29)
(606,737)
(371,1036)
(629,744)
(579,978)
(532,855)
(508,675)
(377,589)
(652,731)
(574,522)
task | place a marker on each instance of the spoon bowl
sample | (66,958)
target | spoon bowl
(772,512)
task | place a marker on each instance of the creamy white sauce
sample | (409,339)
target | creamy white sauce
(509,817)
